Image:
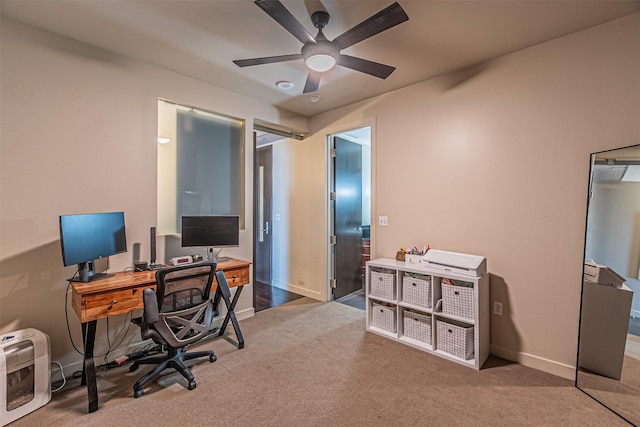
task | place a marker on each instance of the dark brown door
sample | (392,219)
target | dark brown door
(263,224)
(347,217)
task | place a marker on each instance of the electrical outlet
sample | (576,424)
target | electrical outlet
(497,308)
(383,221)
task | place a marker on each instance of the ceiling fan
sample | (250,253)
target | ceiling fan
(321,54)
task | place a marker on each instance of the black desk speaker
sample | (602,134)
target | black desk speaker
(153,245)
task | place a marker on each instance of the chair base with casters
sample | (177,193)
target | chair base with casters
(174,359)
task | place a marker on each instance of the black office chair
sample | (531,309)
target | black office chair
(178,314)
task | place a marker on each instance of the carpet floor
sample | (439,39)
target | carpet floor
(308,363)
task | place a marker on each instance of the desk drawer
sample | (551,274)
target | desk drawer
(237,276)
(101,305)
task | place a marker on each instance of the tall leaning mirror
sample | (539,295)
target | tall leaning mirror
(608,363)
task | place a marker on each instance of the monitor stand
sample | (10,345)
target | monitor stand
(216,257)
(95,277)
(86,273)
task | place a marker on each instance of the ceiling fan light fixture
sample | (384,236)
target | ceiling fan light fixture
(321,62)
(320,56)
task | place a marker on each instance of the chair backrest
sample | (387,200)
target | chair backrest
(184,308)
(184,286)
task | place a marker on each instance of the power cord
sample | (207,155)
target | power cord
(64,379)
(148,350)
(66,313)
(120,335)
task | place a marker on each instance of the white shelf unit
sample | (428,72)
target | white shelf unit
(387,308)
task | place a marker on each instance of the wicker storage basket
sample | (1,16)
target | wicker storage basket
(384,317)
(416,290)
(455,339)
(383,283)
(417,325)
(458,299)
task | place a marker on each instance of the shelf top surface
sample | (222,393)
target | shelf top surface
(418,268)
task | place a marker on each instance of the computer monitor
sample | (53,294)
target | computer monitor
(211,231)
(87,237)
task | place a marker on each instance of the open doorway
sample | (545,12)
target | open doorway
(265,293)
(350,213)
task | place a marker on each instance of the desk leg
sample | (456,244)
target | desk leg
(89,369)
(83,379)
(231,315)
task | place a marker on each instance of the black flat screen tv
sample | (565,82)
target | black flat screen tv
(87,237)
(217,231)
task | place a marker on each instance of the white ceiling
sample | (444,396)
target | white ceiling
(201,38)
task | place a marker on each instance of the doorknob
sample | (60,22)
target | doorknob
(266,227)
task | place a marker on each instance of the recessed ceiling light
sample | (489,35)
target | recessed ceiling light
(284,84)
(314,98)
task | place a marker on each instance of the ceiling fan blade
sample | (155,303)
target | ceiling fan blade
(381,21)
(266,60)
(313,82)
(369,67)
(281,14)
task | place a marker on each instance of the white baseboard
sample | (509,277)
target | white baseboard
(297,290)
(535,362)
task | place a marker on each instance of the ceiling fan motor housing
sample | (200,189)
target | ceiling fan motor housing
(320,19)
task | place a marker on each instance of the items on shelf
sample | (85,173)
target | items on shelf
(456,263)
(414,255)
(415,251)
(383,283)
(416,289)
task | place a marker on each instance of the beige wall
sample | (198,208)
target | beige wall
(78,135)
(494,161)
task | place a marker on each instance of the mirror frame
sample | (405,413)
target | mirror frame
(592,159)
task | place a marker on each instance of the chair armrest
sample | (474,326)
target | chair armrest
(223,285)
(151,312)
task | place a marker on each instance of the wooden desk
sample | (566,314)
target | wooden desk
(122,293)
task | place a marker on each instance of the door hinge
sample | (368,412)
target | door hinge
(333,283)
(332,195)
(332,240)
(333,153)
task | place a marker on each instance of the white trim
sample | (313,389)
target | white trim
(297,290)
(535,362)
(328,133)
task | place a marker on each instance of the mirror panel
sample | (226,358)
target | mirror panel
(608,364)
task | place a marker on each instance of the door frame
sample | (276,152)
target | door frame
(328,135)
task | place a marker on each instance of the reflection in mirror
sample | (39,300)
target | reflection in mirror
(608,367)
